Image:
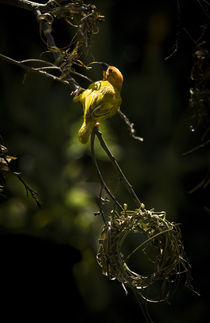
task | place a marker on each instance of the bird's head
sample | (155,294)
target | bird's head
(113,75)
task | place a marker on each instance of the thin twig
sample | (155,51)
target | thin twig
(29,189)
(100,203)
(35,60)
(130,126)
(178,31)
(32,5)
(25,4)
(6,159)
(117,167)
(203,184)
(33,69)
(196,148)
(99,172)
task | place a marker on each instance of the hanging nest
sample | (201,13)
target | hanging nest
(163,236)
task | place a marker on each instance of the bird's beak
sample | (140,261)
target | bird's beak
(105,66)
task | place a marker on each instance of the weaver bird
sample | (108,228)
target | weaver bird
(101,100)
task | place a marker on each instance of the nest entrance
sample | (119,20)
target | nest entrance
(160,244)
(137,258)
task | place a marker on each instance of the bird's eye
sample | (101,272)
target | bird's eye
(110,70)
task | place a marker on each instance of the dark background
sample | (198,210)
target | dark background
(50,252)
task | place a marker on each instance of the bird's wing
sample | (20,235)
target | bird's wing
(96,86)
(100,112)
(87,96)
(99,103)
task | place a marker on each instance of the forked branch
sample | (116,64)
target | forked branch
(122,176)
(103,184)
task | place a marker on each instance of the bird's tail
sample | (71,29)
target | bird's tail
(85,131)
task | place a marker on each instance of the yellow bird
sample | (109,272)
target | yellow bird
(101,100)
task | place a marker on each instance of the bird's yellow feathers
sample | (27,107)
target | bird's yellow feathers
(85,131)
(100,101)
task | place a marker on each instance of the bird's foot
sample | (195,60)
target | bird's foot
(77,91)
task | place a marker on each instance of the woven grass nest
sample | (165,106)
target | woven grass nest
(163,236)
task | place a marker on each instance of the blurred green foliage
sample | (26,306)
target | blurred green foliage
(39,124)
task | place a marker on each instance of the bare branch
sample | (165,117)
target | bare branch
(32,5)
(117,167)
(34,69)
(28,189)
(5,168)
(39,61)
(103,184)
(25,4)
(130,126)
